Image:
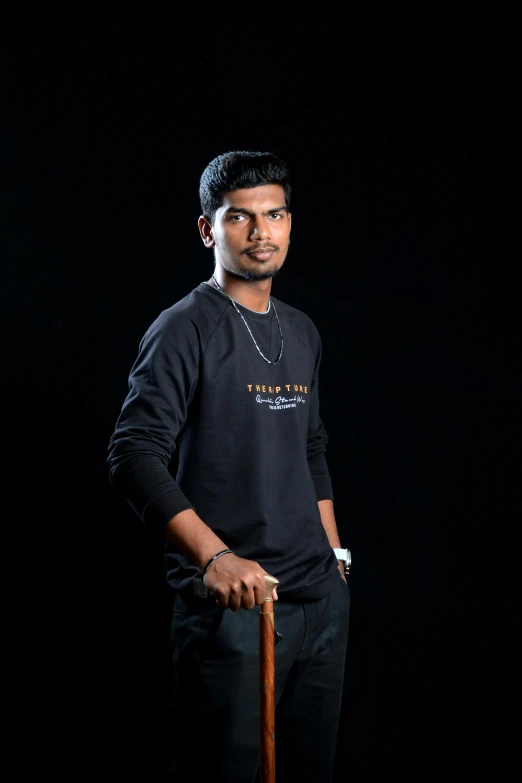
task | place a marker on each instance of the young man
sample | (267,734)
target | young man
(228,378)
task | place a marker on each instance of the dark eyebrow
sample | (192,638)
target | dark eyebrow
(244,211)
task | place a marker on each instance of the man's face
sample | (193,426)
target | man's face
(251,232)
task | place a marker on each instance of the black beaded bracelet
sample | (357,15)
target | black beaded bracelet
(223,552)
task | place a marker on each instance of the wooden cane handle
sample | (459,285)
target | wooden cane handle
(270,583)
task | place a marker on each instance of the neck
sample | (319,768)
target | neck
(253,294)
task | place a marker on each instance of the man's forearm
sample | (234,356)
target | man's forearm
(326,510)
(193,538)
(236,583)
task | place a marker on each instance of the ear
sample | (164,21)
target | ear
(206,232)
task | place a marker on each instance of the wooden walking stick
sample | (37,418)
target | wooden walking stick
(266,683)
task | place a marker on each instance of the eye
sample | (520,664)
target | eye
(276,215)
(237,218)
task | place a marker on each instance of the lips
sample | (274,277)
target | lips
(262,253)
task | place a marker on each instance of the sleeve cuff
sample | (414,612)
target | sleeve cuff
(160,510)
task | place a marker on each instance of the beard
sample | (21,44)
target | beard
(254,274)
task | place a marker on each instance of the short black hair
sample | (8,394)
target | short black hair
(237,170)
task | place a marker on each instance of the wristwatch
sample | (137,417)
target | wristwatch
(346,557)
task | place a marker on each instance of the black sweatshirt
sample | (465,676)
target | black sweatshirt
(250,442)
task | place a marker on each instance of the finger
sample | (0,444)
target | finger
(248,601)
(234,601)
(260,594)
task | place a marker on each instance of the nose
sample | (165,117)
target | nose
(260,230)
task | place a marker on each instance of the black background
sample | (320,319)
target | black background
(403,137)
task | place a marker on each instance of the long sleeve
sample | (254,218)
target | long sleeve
(161,385)
(317,441)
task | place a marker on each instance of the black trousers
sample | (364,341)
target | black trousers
(215,728)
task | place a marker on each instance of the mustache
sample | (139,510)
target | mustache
(259,249)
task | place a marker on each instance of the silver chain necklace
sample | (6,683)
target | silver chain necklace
(238,311)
